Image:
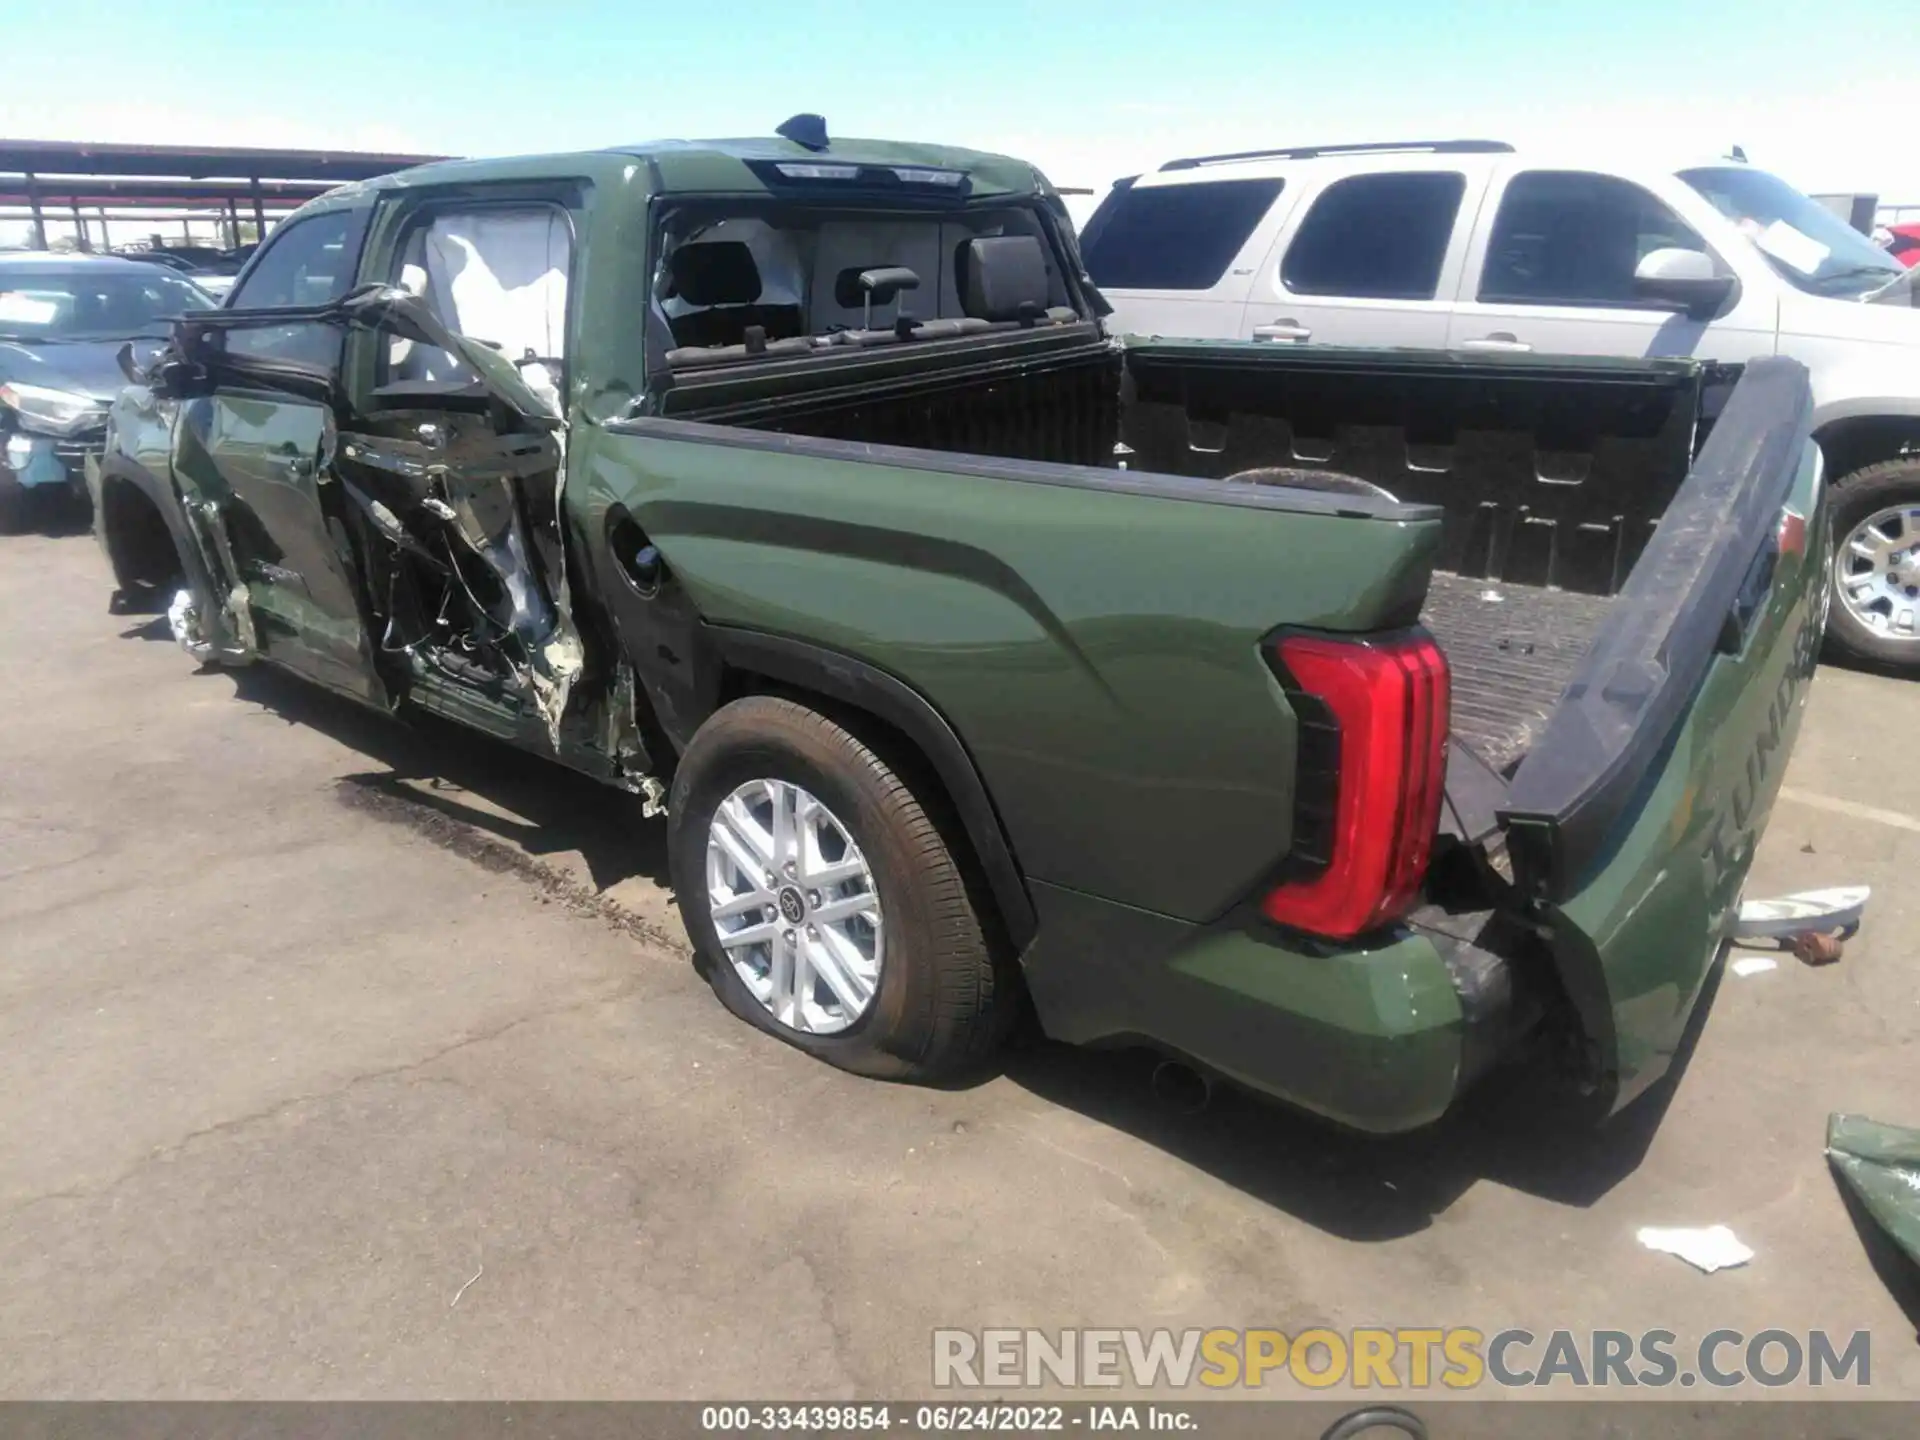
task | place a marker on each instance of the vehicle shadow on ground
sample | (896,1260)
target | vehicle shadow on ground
(60,517)
(1891,1264)
(1511,1130)
(1520,1128)
(153,628)
(469,778)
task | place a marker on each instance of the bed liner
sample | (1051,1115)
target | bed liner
(1512,649)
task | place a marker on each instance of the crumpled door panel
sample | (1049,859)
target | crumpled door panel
(464,484)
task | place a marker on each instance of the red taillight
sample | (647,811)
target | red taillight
(1389,701)
(1791,537)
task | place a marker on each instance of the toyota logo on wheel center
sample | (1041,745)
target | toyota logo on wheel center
(792,906)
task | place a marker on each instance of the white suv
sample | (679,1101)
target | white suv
(1468,245)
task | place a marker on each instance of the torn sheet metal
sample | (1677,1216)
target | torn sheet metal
(620,739)
(471,491)
(183,619)
(226,636)
(1880,1164)
(564,654)
(191,632)
(556,654)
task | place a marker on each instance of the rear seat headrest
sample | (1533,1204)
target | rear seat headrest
(714,272)
(1001,275)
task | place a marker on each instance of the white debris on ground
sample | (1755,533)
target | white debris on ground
(1810,912)
(1753,965)
(1710,1248)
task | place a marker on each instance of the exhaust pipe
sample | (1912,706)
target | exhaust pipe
(1181,1086)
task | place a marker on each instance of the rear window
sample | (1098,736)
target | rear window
(1174,237)
(1376,237)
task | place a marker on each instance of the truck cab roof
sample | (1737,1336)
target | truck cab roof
(750,166)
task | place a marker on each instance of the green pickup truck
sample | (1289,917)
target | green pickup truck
(1337,722)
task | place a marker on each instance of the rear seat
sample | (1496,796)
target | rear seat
(721,278)
(1003,285)
(1003,278)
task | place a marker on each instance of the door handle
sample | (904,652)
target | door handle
(1504,340)
(299,467)
(1283,330)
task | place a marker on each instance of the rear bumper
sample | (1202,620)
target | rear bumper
(1382,1038)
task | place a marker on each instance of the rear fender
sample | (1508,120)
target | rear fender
(860,685)
(1091,636)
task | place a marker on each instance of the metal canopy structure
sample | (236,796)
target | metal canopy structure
(154,182)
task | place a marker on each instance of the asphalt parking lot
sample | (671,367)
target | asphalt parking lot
(343,1059)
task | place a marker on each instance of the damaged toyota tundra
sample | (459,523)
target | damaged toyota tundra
(1343,724)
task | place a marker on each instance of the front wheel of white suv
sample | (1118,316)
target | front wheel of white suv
(1875,616)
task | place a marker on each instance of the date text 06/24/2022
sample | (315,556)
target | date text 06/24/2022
(943,1418)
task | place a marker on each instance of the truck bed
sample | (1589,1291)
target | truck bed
(1549,476)
(1512,649)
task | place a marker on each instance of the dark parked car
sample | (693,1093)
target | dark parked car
(211,268)
(63,319)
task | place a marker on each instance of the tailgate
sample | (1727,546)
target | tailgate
(1633,820)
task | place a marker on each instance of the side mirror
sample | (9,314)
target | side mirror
(1683,280)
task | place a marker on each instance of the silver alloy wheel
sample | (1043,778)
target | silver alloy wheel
(1876,572)
(795,905)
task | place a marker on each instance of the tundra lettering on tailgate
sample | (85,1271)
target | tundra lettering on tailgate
(1730,844)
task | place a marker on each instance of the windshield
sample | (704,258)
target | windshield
(1813,248)
(88,303)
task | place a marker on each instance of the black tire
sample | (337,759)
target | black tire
(1855,497)
(943,1002)
(13,504)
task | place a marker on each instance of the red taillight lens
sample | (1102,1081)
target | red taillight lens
(1389,701)
(1791,537)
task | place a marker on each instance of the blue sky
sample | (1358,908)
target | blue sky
(1824,94)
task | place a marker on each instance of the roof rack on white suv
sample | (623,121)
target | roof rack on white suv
(1311,152)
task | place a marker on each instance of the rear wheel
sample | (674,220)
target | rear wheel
(824,903)
(1875,616)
